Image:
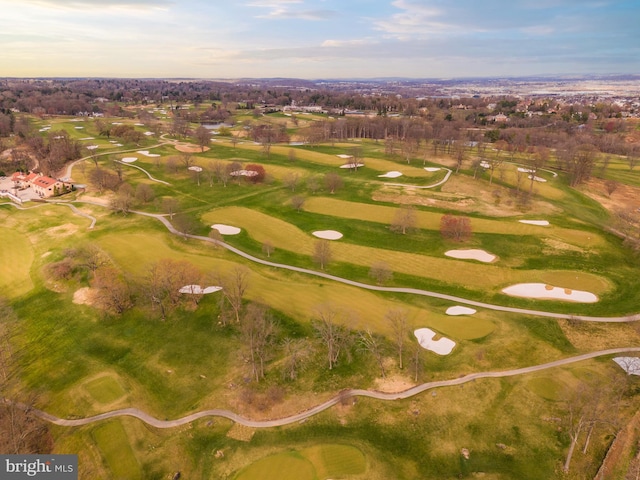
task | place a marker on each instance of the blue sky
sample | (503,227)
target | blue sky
(317,39)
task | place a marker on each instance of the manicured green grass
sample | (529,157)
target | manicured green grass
(113,443)
(105,389)
(335,461)
(282,466)
(317,462)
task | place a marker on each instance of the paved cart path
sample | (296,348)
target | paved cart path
(298,417)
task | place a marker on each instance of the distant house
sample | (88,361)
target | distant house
(44,186)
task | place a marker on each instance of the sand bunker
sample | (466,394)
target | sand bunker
(118,145)
(549,292)
(425,336)
(198,290)
(542,223)
(226,229)
(342,155)
(139,124)
(88,138)
(432,169)
(195,168)
(392,174)
(459,310)
(631,365)
(327,234)
(352,165)
(525,170)
(147,154)
(148,133)
(78,128)
(471,254)
(83,296)
(537,179)
(485,164)
(244,173)
(92,147)
(129,159)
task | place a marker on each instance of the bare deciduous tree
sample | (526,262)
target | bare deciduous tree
(297,351)
(112,290)
(322,253)
(297,202)
(404,220)
(234,285)
(373,345)
(397,319)
(333,182)
(332,335)
(268,248)
(258,330)
(381,273)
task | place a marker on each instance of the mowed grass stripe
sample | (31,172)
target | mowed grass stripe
(16,257)
(298,296)
(262,227)
(320,158)
(431,221)
(113,442)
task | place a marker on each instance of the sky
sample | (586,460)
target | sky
(317,39)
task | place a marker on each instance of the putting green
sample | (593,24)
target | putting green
(335,461)
(104,389)
(317,462)
(281,466)
(16,257)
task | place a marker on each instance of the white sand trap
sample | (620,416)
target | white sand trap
(328,234)
(342,155)
(148,134)
(471,254)
(226,229)
(118,145)
(631,365)
(459,310)
(44,129)
(525,170)
(485,164)
(92,147)
(116,123)
(147,154)
(392,174)
(195,168)
(549,292)
(58,137)
(78,128)
(352,165)
(244,173)
(139,124)
(537,179)
(432,169)
(542,223)
(129,159)
(443,346)
(198,290)
(88,138)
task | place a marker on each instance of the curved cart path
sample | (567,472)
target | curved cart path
(411,291)
(154,422)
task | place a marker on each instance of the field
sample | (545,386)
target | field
(85,359)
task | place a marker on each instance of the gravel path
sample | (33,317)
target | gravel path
(154,422)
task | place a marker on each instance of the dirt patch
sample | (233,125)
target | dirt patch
(624,197)
(393,384)
(62,230)
(464,194)
(84,296)
(241,432)
(188,148)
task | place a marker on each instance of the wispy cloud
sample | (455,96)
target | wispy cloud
(95,4)
(290,9)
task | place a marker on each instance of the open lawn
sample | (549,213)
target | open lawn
(16,257)
(113,442)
